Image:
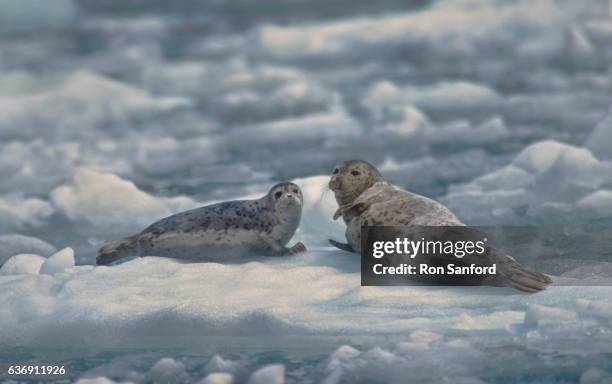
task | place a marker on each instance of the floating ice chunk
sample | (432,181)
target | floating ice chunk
(91,88)
(398,110)
(602,270)
(458,27)
(107,201)
(168,371)
(598,309)
(574,173)
(388,106)
(217,378)
(58,262)
(36,166)
(219,364)
(581,53)
(331,124)
(466,133)
(102,104)
(595,376)
(96,380)
(165,156)
(424,336)
(600,141)
(489,321)
(538,316)
(22,264)
(16,244)
(340,357)
(344,353)
(452,96)
(17,212)
(337,361)
(540,156)
(547,180)
(270,374)
(404,121)
(598,203)
(267,93)
(239,92)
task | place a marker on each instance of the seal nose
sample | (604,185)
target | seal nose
(292,197)
(333,183)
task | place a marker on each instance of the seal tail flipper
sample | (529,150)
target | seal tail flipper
(342,246)
(114,251)
(522,278)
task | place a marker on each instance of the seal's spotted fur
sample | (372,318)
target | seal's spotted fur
(365,198)
(220,231)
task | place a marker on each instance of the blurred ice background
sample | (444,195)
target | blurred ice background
(116,113)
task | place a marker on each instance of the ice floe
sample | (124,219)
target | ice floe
(13,244)
(548,180)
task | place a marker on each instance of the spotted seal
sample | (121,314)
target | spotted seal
(220,231)
(365,198)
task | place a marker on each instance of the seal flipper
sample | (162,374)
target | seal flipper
(513,274)
(342,246)
(277,249)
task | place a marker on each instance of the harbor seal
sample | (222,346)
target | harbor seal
(365,198)
(220,231)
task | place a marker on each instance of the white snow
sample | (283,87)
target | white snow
(167,371)
(217,378)
(270,374)
(58,262)
(317,293)
(22,264)
(316,225)
(219,364)
(34,264)
(107,201)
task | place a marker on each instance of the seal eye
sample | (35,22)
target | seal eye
(336,171)
(355,173)
(278,194)
(296,191)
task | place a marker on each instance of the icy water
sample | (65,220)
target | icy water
(114,114)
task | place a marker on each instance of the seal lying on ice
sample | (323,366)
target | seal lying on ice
(365,198)
(220,231)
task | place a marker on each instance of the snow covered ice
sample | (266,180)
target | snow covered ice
(114,115)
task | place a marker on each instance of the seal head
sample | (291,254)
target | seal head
(285,197)
(285,200)
(351,178)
